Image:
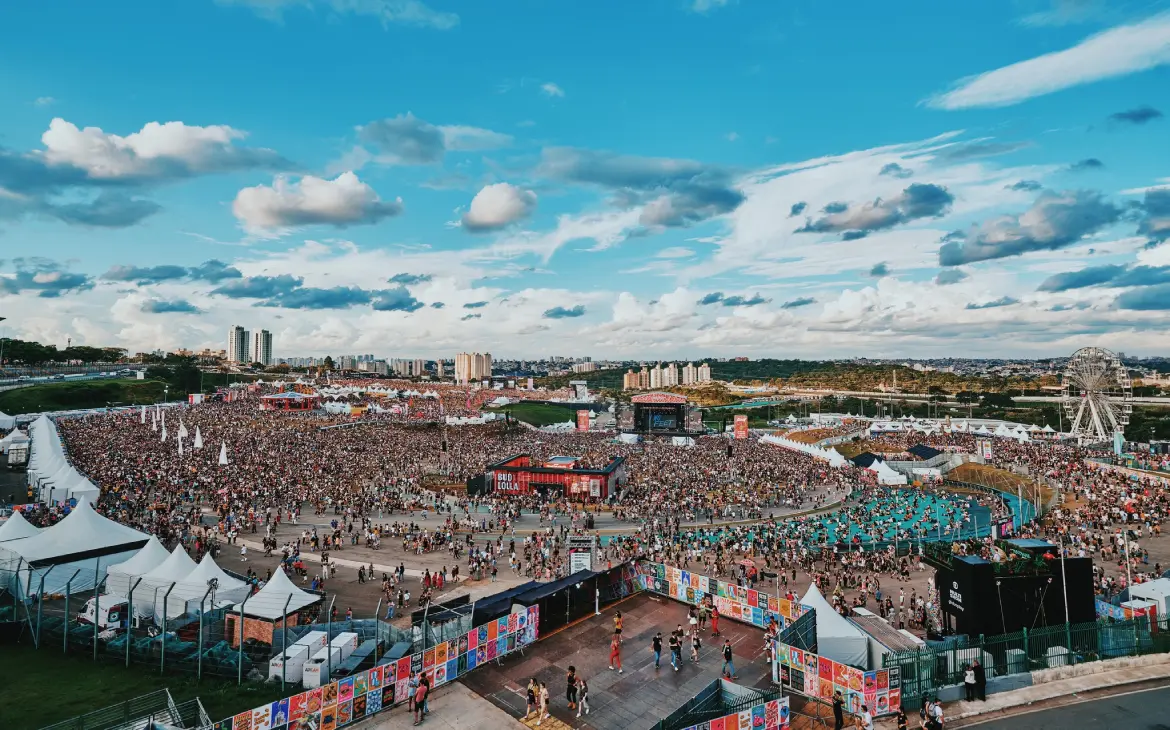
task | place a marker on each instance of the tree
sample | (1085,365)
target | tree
(328,362)
(967,397)
(997,400)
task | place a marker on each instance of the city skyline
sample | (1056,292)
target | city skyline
(804,188)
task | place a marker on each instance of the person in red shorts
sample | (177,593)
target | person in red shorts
(714,621)
(615,653)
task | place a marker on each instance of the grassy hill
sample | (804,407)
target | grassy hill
(84,394)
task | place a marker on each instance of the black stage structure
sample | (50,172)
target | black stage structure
(660,414)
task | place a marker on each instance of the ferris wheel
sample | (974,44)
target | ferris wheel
(1097,395)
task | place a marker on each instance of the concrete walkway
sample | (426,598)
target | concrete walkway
(453,707)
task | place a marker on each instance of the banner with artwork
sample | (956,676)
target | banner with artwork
(811,675)
(366,693)
(771,715)
(733,601)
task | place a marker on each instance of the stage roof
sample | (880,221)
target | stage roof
(660,398)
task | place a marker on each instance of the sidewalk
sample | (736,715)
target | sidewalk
(453,707)
(1002,701)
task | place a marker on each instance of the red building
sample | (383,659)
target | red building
(559,475)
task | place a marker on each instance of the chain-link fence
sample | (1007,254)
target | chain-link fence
(926,670)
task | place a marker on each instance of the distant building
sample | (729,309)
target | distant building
(239,345)
(584,367)
(472,366)
(262,348)
(704,374)
(630,380)
(689,374)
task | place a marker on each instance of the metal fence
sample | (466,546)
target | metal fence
(157,706)
(716,700)
(801,633)
(942,664)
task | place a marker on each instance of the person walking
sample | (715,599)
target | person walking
(728,663)
(530,697)
(674,650)
(865,719)
(543,698)
(656,647)
(582,696)
(838,711)
(617,625)
(615,652)
(714,621)
(696,644)
(420,696)
(571,687)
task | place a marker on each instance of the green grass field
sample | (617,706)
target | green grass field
(83,394)
(539,414)
(41,687)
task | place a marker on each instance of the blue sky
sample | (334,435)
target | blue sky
(665,178)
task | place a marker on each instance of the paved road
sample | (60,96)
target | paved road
(1138,711)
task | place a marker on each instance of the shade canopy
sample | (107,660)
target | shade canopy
(837,639)
(17,527)
(82,534)
(277,596)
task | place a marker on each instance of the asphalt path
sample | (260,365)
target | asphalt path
(1140,710)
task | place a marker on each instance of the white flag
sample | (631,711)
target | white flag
(223,453)
(198,438)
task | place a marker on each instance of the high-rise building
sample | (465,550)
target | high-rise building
(630,380)
(584,367)
(643,378)
(262,348)
(670,375)
(238,348)
(704,374)
(656,376)
(473,366)
(689,374)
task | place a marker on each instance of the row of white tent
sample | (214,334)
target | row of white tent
(158,583)
(49,471)
(16,437)
(830,455)
(7,422)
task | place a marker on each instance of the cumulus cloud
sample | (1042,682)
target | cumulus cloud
(1155,222)
(675,192)
(107,210)
(398,299)
(1150,299)
(993,304)
(732,301)
(1029,186)
(950,276)
(1110,274)
(497,206)
(475,305)
(259,287)
(409,279)
(466,317)
(158,151)
(797,209)
(169,306)
(1139,115)
(893,169)
(564,313)
(1055,221)
(408,140)
(879,270)
(47,278)
(917,201)
(798,303)
(340,202)
(212,271)
(1118,51)
(337,297)
(1086,165)
(551,89)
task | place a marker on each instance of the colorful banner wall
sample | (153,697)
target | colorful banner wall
(348,700)
(772,715)
(816,676)
(734,602)
(582,420)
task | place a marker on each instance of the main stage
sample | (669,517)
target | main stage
(660,414)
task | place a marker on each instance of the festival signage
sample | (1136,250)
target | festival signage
(741,426)
(770,715)
(582,420)
(733,601)
(368,692)
(816,676)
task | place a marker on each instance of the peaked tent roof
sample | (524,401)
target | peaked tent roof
(924,452)
(864,460)
(208,570)
(152,555)
(270,601)
(82,534)
(837,639)
(17,527)
(174,569)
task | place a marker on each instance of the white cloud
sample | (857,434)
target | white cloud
(551,89)
(497,206)
(676,252)
(173,149)
(387,12)
(44,101)
(345,200)
(605,229)
(1115,52)
(460,138)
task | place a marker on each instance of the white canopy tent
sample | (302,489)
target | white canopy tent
(49,471)
(79,548)
(16,437)
(837,639)
(277,596)
(189,594)
(7,422)
(886,474)
(155,585)
(17,527)
(121,577)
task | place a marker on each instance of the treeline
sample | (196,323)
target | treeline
(22,352)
